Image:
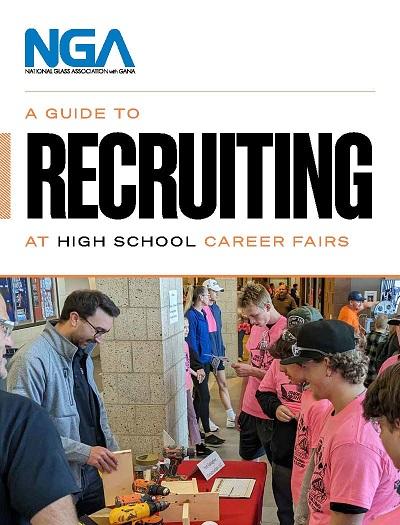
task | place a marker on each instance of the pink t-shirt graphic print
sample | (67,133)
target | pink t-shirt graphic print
(278,382)
(311,419)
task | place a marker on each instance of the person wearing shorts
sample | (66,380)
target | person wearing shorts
(255,427)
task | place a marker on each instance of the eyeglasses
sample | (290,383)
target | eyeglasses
(97,331)
(8,326)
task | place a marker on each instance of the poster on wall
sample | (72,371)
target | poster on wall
(22,300)
(44,298)
(6,292)
(30,300)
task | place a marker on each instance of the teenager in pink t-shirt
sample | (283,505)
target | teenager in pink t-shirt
(382,403)
(214,289)
(280,399)
(311,417)
(254,426)
(353,480)
(280,395)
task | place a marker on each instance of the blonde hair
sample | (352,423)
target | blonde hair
(254,293)
(381,322)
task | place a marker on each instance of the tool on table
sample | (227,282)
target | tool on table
(149,487)
(135,497)
(133,513)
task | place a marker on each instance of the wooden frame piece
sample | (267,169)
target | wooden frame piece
(203,506)
(182,487)
(185,514)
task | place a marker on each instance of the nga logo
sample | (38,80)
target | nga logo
(73,49)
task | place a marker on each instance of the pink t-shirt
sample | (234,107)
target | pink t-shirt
(212,325)
(389,362)
(188,376)
(351,467)
(260,339)
(312,416)
(391,518)
(277,382)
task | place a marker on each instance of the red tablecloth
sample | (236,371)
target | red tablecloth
(235,511)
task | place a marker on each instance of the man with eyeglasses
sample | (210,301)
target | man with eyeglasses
(35,480)
(56,371)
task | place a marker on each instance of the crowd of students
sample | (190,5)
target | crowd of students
(305,405)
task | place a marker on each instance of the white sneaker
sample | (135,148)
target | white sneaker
(213,426)
(230,423)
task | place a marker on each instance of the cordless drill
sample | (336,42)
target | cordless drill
(149,487)
(135,497)
(136,512)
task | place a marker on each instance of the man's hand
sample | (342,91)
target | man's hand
(284,414)
(201,375)
(243,369)
(237,424)
(102,459)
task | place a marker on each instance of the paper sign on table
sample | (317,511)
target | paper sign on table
(211,465)
(233,488)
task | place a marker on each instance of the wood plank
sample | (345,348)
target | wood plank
(118,482)
(101,517)
(185,514)
(203,506)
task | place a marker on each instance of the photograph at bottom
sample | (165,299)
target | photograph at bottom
(149,400)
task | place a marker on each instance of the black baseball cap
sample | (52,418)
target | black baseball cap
(356,296)
(394,320)
(320,338)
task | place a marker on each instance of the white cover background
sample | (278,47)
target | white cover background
(213,45)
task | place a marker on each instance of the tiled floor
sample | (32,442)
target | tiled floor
(230,448)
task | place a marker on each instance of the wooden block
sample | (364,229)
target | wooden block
(182,487)
(101,517)
(185,514)
(118,482)
(203,506)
